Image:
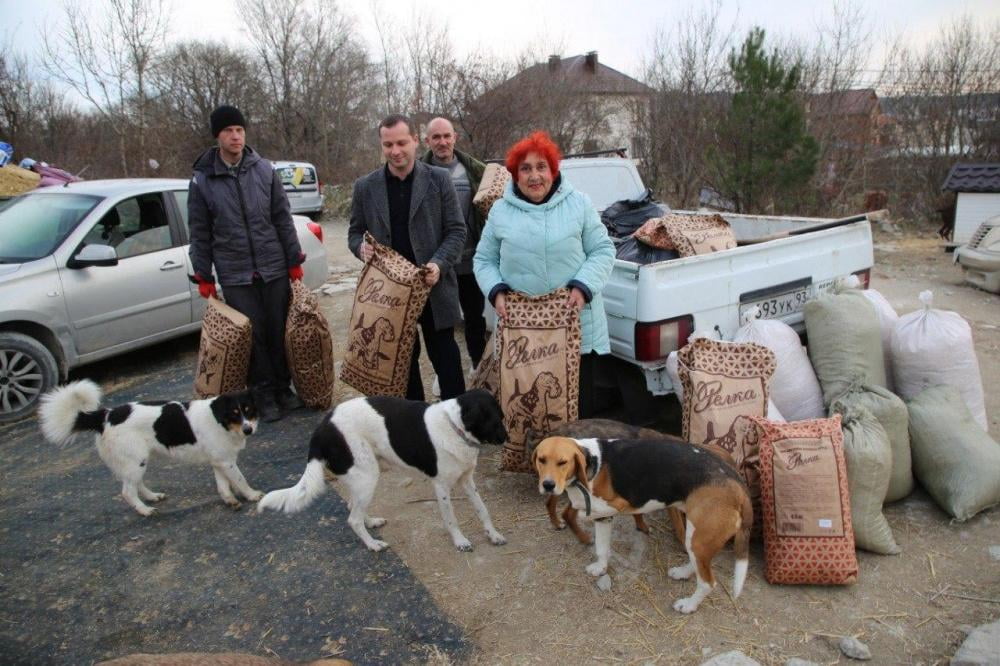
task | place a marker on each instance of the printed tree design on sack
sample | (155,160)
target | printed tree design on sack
(208,361)
(531,408)
(366,341)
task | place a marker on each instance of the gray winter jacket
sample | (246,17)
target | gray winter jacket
(243,225)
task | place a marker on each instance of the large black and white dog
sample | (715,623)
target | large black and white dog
(440,440)
(210,431)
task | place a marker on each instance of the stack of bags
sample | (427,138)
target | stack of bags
(879,399)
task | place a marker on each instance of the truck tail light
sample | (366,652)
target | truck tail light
(865,277)
(655,340)
(316,229)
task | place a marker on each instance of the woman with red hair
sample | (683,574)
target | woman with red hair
(541,235)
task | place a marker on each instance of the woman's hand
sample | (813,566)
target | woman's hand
(500,304)
(433,273)
(366,252)
(575,299)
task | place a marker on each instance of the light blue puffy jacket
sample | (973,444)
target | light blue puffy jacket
(538,248)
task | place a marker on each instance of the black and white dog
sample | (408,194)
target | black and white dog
(439,440)
(210,431)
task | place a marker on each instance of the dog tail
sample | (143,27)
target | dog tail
(69,410)
(741,544)
(302,494)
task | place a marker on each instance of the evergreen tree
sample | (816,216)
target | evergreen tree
(764,153)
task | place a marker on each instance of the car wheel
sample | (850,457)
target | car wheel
(27,371)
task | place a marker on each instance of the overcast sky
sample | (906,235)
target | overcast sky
(620,30)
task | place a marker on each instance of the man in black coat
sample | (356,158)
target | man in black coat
(240,223)
(412,207)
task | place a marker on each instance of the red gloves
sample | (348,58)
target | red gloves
(206,288)
(295,273)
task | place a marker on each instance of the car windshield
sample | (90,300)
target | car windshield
(33,225)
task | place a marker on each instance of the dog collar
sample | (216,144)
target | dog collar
(586,495)
(461,433)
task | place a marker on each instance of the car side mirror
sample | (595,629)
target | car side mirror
(94,255)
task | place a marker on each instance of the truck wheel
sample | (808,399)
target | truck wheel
(27,371)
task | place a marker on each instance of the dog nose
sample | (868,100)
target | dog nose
(247,429)
(548,485)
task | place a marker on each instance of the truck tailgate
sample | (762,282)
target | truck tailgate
(712,287)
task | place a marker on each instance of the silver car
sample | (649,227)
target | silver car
(302,186)
(94,269)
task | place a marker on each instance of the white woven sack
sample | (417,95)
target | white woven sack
(773,414)
(794,387)
(887,319)
(933,347)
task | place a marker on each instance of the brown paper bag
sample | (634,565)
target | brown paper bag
(224,351)
(725,386)
(491,186)
(539,369)
(390,296)
(309,348)
(699,234)
(808,533)
(487,373)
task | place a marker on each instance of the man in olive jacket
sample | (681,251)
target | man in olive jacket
(412,207)
(240,222)
(466,172)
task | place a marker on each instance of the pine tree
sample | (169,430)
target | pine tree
(764,152)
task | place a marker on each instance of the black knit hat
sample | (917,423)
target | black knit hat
(224,116)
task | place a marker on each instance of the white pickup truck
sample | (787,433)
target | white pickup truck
(778,265)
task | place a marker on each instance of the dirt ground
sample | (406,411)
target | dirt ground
(531,600)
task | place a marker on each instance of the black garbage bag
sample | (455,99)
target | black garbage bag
(634,250)
(623,217)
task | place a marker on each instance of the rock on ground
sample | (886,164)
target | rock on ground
(795,661)
(854,648)
(731,658)
(981,647)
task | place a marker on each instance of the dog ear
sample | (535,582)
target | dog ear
(581,466)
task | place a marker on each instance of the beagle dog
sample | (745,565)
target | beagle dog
(606,477)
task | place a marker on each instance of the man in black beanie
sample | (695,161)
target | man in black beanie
(240,223)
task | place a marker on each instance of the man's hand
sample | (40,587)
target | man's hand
(575,299)
(206,288)
(500,304)
(366,251)
(295,273)
(433,274)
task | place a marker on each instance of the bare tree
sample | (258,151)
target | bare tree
(316,79)
(107,61)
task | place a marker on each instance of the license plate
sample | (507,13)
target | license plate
(775,306)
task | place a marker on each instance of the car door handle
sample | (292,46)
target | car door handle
(170,265)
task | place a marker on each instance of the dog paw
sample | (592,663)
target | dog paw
(496,538)
(233,504)
(146,511)
(157,497)
(686,605)
(374,523)
(254,495)
(464,546)
(680,573)
(597,569)
(377,546)
(559,525)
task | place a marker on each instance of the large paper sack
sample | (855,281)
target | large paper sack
(953,458)
(539,369)
(224,350)
(808,534)
(309,348)
(932,347)
(725,385)
(491,186)
(390,296)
